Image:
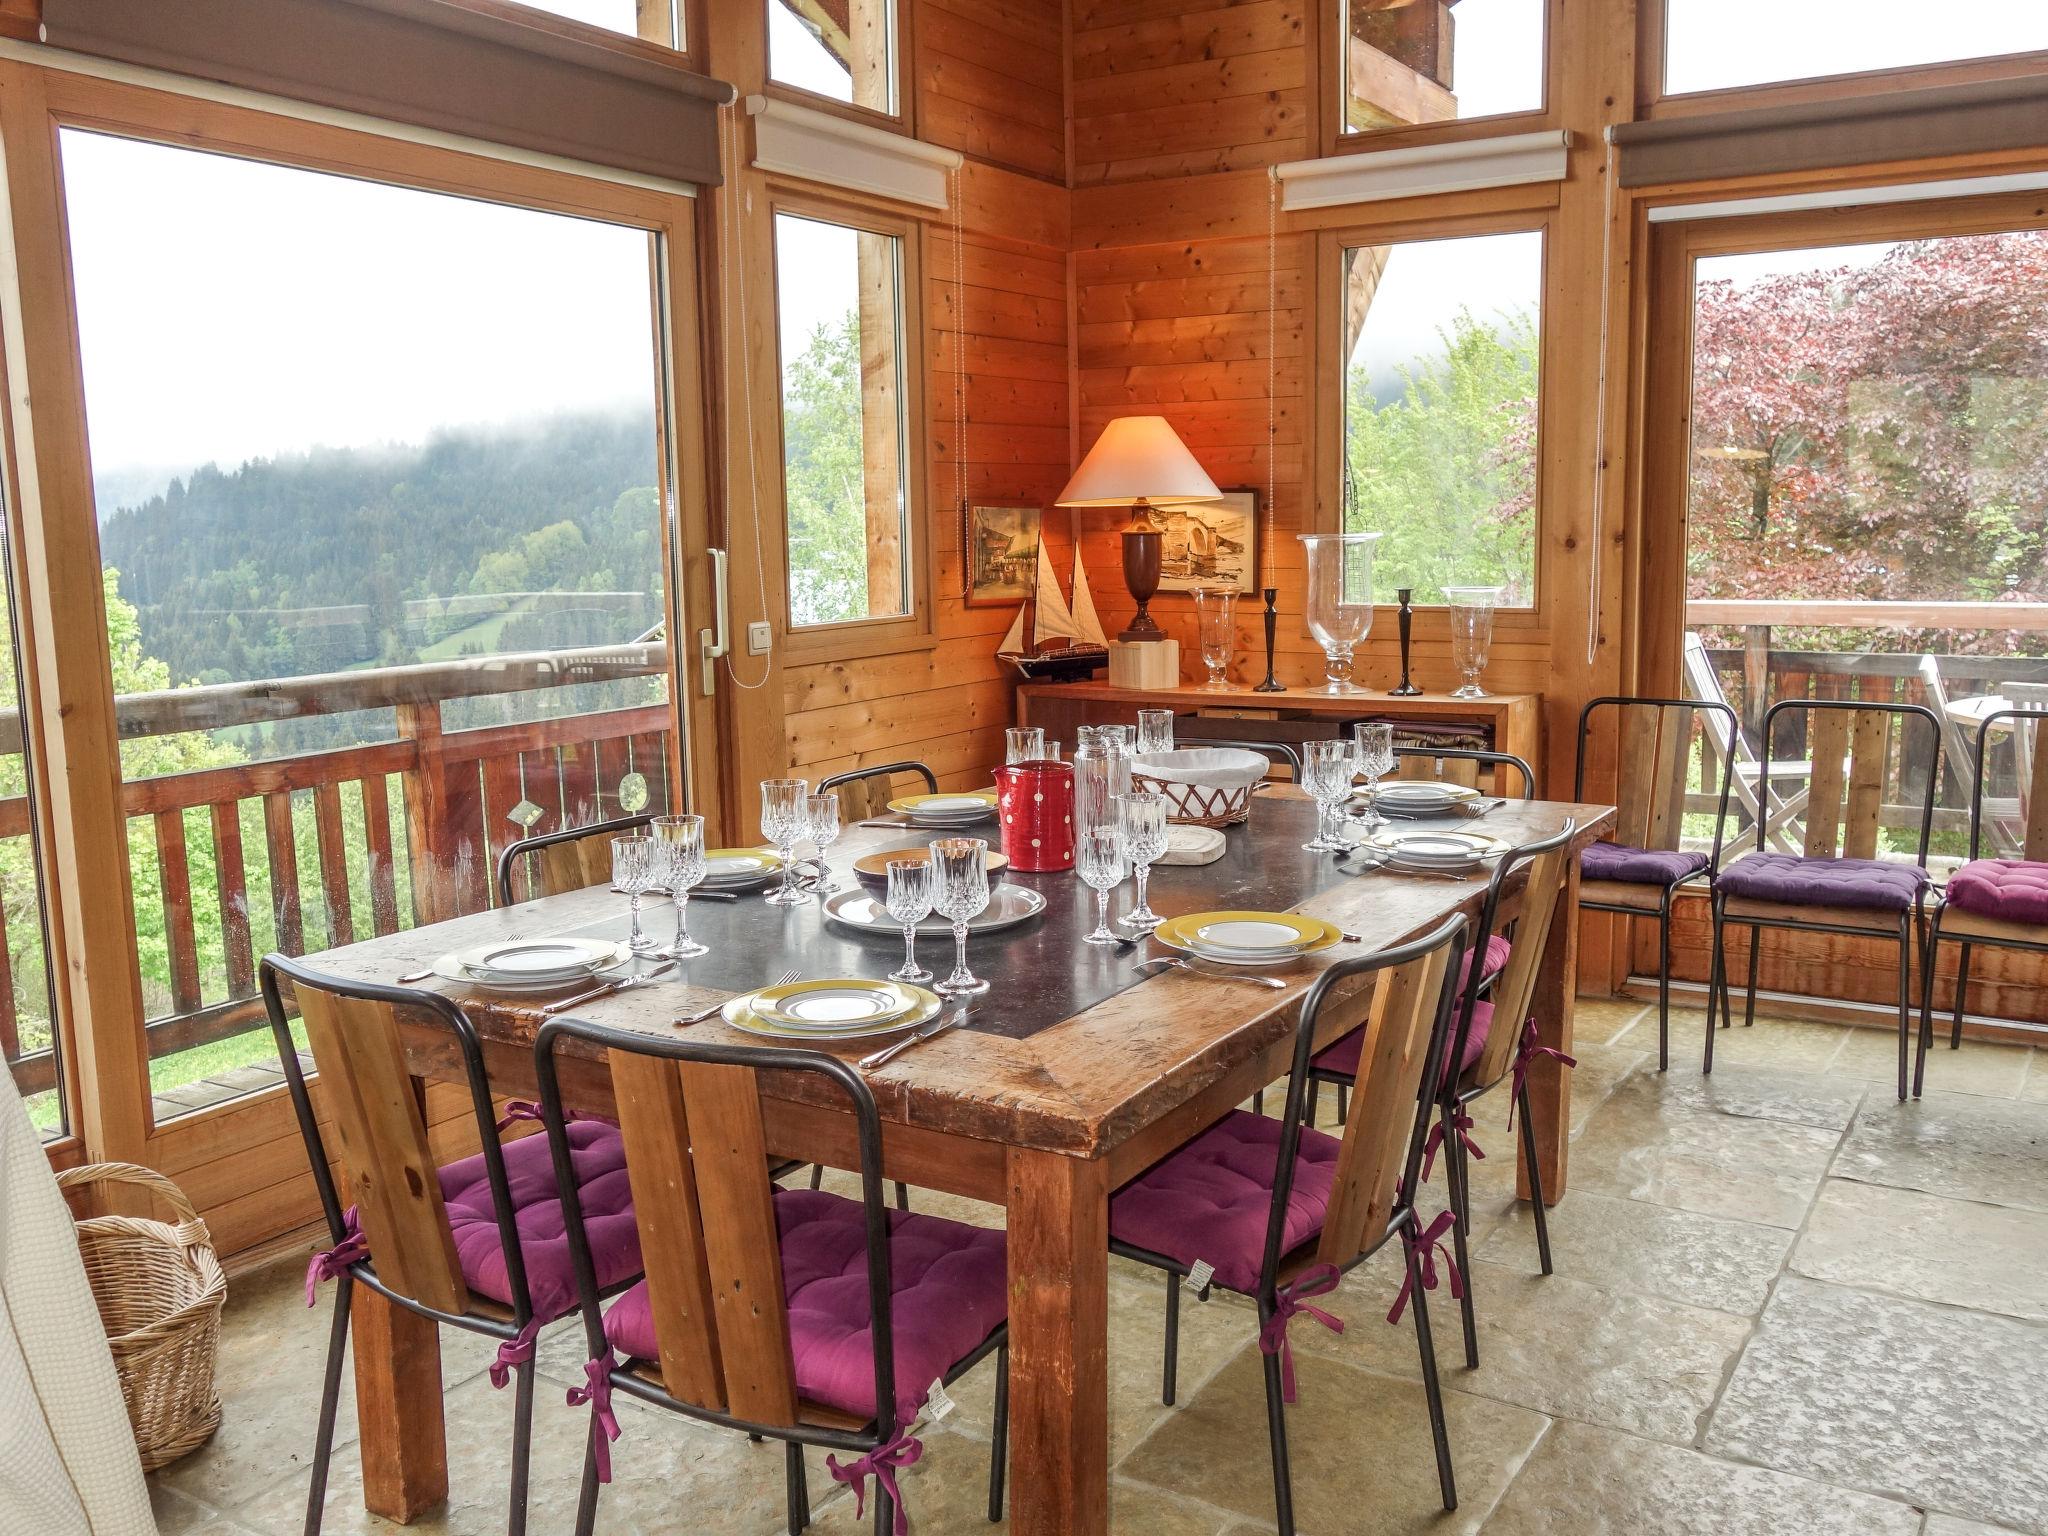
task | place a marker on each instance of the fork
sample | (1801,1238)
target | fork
(704,1013)
(1272,983)
(610,988)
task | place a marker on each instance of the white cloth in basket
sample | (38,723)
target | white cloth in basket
(68,1465)
(1210,767)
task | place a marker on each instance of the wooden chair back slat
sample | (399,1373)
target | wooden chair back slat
(655,1128)
(862,798)
(2035,842)
(742,1251)
(1398,1027)
(1667,779)
(1869,740)
(574,864)
(383,1143)
(1515,988)
(1827,735)
(1444,770)
(1635,783)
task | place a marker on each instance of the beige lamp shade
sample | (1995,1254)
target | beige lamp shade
(1137,458)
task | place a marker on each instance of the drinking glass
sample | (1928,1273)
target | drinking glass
(1102,772)
(960,880)
(821,826)
(1023,744)
(782,823)
(1471,634)
(679,846)
(1215,623)
(1052,751)
(1340,599)
(1099,856)
(1141,827)
(909,901)
(634,872)
(1374,744)
(1155,731)
(1326,769)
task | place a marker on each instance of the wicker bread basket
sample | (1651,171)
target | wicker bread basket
(1205,786)
(159,1289)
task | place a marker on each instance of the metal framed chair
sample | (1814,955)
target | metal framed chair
(865,792)
(2001,902)
(1328,1204)
(1281,752)
(1461,765)
(1641,868)
(1837,884)
(795,1315)
(443,1243)
(569,860)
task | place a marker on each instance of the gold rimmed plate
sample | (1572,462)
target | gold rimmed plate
(1247,938)
(833,1004)
(740,1013)
(949,808)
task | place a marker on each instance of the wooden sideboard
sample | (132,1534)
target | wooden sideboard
(1512,722)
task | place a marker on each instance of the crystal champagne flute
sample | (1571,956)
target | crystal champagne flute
(960,876)
(633,871)
(1374,749)
(1099,857)
(909,901)
(821,826)
(782,823)
(1141,827)
(679,843)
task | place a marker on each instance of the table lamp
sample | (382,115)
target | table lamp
(1136,461)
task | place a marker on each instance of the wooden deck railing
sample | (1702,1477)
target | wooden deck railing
(327,847)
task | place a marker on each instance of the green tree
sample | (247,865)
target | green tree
(824,477)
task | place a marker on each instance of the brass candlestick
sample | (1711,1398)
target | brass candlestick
(1272,684)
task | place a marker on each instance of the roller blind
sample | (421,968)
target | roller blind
(425,63)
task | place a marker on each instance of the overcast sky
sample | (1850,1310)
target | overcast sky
(231,309)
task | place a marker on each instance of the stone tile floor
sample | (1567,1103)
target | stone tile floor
(1784,1303)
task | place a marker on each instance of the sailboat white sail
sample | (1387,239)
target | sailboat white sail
(1047,617)
(1088,627)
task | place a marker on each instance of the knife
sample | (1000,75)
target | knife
(938,1026)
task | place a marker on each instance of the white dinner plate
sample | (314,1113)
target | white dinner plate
(536,960)
(739,1013)
(455,967)
(1008,905)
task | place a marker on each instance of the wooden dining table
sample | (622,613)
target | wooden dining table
(1072,1075)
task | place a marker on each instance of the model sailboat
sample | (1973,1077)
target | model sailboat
(1056,642)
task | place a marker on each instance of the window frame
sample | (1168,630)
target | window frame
(1326,515)
(885,633)
(901,120)
(1333,83)
(534,13)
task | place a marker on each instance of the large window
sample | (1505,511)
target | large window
(844,50)
(1715,44)
(1428,63)
(1441,340)
(839,310)
(380,485)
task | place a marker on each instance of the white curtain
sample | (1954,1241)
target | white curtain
(68,1465)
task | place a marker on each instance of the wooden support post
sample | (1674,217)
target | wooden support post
(429,837)
(1756,681)
(1550,1084)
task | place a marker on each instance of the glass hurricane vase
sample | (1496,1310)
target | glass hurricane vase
(1339,599)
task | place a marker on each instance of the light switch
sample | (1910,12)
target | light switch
(760,635)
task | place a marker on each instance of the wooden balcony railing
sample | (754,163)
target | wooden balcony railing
(339,845)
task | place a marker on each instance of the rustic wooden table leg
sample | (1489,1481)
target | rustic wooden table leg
(1550,1084)
(398,1401)
(1059,1344)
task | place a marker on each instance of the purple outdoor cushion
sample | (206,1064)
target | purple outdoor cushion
(1343,1056)
(948,1283)
(1638,866)
(599,1157)
(1212,1199)
(1870,884)
(2015,890)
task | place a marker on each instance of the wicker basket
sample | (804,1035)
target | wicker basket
(1210,804)
(159,1289)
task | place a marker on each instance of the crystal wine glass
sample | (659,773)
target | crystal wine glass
(909,901)
(1155,731)
(1215,624)
(1340,599)
(960,881)
(1141,828)
(782,823)
(1326,768)
(679,848)
(1374,749)
(821,826)
(1471,634)
(634,872)
(1099,857)
(1023,744)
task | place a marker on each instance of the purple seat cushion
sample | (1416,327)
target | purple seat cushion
(949,1288)
(1874,884)
(599,1157)
(2015,890)
(1638,866)
(1343,1056)
(1212,1199)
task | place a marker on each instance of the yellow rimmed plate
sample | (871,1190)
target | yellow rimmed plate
(1247,938)
(739,1012)
(836,1003)
(740,866)
(955,807)
(1436,849)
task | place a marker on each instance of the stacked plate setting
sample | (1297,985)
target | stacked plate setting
(1421,797)
(1247,938)
(1437,852)
(847,1008)
(864,912)
(533,965)
(740,869)
(946,811)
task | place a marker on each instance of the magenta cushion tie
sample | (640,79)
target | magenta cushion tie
(597,1374)
(518,1109)
(882,1461)
(1532,1047)
(330,1263)
(1431,1243)
(514,1351)
(1290,1299)
(1462,1124)
(2015,890)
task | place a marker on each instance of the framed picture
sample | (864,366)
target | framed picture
(999,552)
(1210,543)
